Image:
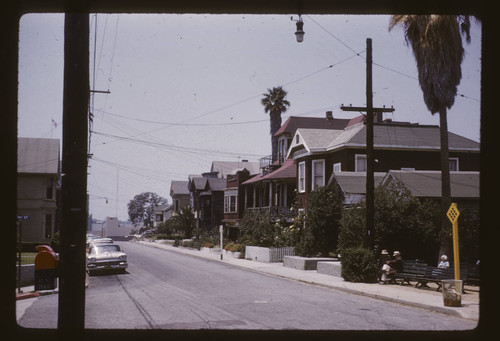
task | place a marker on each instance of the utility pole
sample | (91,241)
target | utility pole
(72,265)
(370,110)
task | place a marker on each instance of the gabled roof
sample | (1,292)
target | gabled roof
(385,135)
(161,208)
(295,122)
(179,187)
(428,183)
(231,167)
(216,184)
(354,182)
(38,155)
(198,184)
(288,170)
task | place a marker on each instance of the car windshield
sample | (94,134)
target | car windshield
(106,248)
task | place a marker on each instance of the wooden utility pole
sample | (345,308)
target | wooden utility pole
(370,110)
(72,265)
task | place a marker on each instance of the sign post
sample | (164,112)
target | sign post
(20,219)
(453,214)
(221,230)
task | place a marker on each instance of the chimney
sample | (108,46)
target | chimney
(329,116)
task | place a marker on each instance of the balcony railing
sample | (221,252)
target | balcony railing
(275,211)
(266,161)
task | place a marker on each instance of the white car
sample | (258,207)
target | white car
(106,257)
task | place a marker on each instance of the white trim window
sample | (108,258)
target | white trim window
(337,167)
(360,163)
(302,177)
(318,174)
(453,161)
(230,203)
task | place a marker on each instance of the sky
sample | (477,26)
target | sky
(185,89)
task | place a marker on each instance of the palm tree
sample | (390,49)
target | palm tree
(275,104)
(185,221)
(436,41)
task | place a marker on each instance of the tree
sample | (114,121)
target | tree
(402,222)
(275,104)
(436,41)
(323,214)
(141,208)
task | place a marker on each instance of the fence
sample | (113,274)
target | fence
(268,255)
(277,254)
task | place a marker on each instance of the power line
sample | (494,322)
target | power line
(180,148)
(374,63)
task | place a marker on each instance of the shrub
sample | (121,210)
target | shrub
(233,247)
(322,221)
(359,265)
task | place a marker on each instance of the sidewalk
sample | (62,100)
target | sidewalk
(407,295)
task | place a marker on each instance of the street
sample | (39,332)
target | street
(166,290)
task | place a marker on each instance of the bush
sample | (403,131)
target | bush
(359,265)
(352,232)
(233,247)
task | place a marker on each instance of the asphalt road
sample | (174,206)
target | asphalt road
(166,290)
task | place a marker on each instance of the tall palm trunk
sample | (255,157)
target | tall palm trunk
(275,124)
(445,240)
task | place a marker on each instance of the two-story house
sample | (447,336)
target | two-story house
(38,174)
(207,199)
(273,190)
(179,191)
(161,213)
(234,205)
(397,146)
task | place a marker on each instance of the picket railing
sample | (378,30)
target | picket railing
(268,255)
(277,254)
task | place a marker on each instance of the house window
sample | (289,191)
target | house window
(48,226)
(318,173)
(297,138)
(50,189)
(360,163)
(337,167)
(281,150)
(302,177)
(453,161)
(177,204)
(230,203)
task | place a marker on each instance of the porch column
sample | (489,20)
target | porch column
(254,195)
(246,197)
(270,194)
(285,195)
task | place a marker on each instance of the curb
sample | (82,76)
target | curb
(442,310)
(22,296)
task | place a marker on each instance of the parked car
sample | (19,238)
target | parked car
(104,256)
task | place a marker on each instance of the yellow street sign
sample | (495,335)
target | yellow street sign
(453,213)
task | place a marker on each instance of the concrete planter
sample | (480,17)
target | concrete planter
(333,268)
(233,254)
(268,255)
(305,263)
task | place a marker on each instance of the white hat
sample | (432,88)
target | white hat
(396,253)
(384,252)
(443,258)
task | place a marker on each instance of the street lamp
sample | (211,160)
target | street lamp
(299,34)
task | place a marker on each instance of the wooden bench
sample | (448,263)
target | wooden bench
(413,270)
(421,273)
